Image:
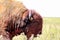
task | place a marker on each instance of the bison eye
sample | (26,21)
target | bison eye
(31,18)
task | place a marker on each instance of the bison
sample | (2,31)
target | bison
(17,19)
(32,24)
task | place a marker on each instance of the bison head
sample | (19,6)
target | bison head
(30,23)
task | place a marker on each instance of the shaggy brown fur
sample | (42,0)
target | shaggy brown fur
(10,11)
(17,19)
(32,25)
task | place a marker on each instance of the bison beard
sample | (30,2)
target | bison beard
(31,24)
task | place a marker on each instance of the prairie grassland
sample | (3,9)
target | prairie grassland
(50,31)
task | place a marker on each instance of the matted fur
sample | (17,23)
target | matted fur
(9,10)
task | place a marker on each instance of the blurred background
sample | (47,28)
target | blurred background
(46,8)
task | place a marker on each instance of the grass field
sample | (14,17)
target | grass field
(50,31)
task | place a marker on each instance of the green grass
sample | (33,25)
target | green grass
(51,20)
(50,31)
